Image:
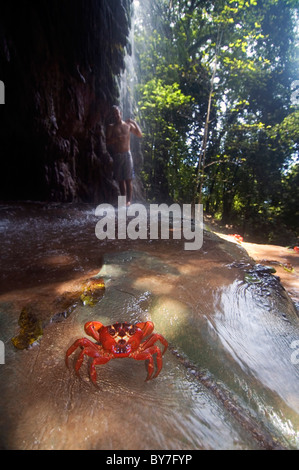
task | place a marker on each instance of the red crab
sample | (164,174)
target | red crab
(118,341)
(238,238)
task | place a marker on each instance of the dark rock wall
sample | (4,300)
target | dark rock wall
(59,61)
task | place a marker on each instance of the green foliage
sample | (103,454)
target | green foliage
(163,107)
(157,95)
(214,97)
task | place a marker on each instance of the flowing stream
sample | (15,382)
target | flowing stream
(229,379)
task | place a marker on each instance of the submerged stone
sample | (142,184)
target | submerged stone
(92,291)
(30,329)
(65,305)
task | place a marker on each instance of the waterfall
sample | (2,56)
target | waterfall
(128,78)
(127,84)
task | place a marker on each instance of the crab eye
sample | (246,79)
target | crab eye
(132,330)
(111,331)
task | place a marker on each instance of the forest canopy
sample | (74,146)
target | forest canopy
(217,97)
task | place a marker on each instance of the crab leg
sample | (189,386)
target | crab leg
(82,342)
(159,360)
(147,327)
(143,356)
(148,355)
(87,351)
(92,369)
(152,339)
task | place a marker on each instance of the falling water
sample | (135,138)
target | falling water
(128,79)
(127,84)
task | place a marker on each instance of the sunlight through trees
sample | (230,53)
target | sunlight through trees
(215,98)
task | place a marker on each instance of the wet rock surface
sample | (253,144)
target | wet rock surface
(60,63)
(227,380)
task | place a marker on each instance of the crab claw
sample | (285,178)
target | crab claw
(92,329)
